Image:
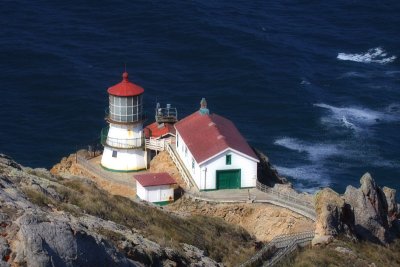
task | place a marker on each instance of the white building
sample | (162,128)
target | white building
(214,152)
(157,188)
(124,140)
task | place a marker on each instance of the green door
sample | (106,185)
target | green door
(228,179)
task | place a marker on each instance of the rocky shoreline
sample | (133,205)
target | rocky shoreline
(367,213)
(47,235)
(39,227)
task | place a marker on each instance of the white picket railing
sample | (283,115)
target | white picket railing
(181,168)
(288,200)
(283,246)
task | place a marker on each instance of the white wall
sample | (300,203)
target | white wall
(187,160)
(247,166)
(141,191)
(156,193)
(125,136)
(126,160)
(205,174)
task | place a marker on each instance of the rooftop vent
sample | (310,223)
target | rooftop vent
(203,107)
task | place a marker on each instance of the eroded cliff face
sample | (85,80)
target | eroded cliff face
(368,213)
(44,235)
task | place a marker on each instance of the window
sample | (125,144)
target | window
(228,159)
(114,154)
(193,163)
(185,151)
(177,141)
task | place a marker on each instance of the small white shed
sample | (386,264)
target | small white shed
(157,188)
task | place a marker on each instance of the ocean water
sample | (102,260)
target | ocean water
(314,84)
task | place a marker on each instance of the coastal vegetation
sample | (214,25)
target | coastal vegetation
(345,252)
(210,234)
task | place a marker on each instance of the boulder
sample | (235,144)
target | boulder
(333,216)
(46,241)
(370,210)
(197,255)
(319,240)
(392,210)
(8,161)
(369,213)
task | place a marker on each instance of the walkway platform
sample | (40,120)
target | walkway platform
(255,195)
(117,183)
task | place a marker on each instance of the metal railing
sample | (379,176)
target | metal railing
(182,169)
(157,144)
(141,117)
(287,200)
(167,115)
(283,245)
(120,143)
(289,197)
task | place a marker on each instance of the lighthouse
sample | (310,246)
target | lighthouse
(123,139)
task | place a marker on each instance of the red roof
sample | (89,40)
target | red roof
(125,88)
(207,135)
(153,179)
(158,130)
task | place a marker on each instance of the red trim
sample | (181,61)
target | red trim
(153,179)
(125,88)
(208,135)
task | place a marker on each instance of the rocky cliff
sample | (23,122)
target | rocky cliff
(366,213)
(39,227)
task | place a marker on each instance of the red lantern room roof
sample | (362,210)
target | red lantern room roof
(125,88)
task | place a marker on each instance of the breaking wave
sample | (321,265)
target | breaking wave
(308,178)
(314,151)
(356,118)
(374,55)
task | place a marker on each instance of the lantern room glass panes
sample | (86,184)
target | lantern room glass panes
(126,109)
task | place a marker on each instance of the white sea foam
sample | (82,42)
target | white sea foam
(307,178)
(356,118)
(354,74)
(374,55)
(314,151)
(305,82)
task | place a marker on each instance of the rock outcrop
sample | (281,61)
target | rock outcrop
(266,173)
(34,235)
(368,213)
(333,216)
(370,207)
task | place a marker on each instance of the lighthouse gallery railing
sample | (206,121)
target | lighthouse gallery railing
(120,143)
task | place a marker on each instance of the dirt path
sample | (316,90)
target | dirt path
(264,221)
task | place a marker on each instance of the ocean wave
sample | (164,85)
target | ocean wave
(308,178)
(374,55)
(314,152)
(357,118)
(354,74)
(304,82)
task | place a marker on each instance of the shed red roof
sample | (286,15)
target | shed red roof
(125,88)
(153,179)
(158,130)
(207,135)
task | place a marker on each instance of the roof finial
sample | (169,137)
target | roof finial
(125,74)
(203,107)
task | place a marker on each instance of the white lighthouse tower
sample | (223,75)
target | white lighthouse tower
(123,139)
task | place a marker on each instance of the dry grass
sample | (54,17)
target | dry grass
(364,254)
(37,197)
(221,241)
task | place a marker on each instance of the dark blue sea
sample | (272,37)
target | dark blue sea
(313,84)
